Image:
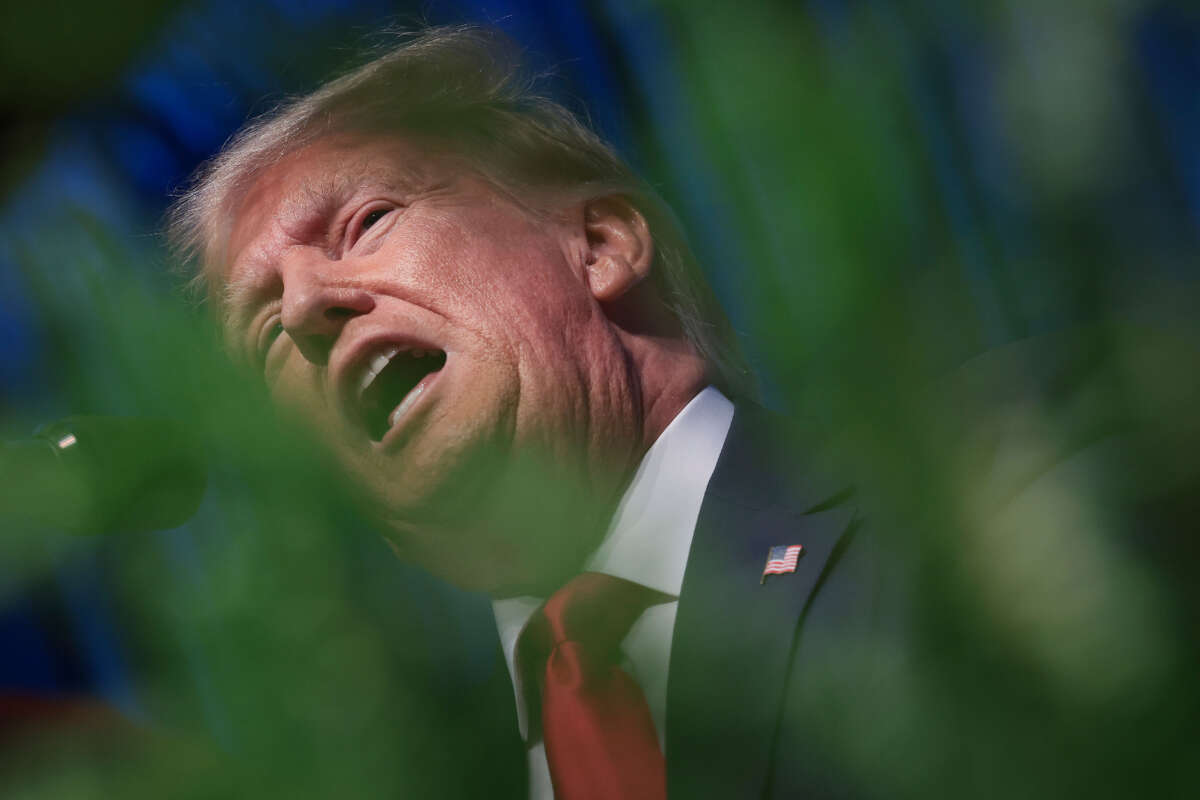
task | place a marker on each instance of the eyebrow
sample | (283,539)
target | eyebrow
(310,206)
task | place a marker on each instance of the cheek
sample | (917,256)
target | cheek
(297,390)
(527,288)
(499,276)
(495,259)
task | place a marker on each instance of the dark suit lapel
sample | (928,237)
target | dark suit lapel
(733,636)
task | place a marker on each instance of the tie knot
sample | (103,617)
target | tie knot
(593,612)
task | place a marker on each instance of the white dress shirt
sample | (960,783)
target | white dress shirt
(648,543)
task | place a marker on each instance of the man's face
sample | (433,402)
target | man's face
(443,340)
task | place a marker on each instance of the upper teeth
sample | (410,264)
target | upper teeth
(381,360)
(378,362)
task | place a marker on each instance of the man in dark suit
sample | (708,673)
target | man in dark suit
(500,331)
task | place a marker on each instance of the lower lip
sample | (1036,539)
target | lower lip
(414,396)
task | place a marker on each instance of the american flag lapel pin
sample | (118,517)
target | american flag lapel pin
(781,558)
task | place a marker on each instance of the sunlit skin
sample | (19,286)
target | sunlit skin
(503,472)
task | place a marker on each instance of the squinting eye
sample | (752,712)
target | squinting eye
(373,217)
(274,333)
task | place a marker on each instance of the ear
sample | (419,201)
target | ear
(620,248)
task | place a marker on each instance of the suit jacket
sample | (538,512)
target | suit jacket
(736,695)
(806,686)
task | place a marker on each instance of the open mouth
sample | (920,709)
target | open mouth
(393,381)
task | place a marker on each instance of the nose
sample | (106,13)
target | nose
(315,310)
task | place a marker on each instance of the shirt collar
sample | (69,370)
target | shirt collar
(650,534)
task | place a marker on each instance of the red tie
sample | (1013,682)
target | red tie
(600,740)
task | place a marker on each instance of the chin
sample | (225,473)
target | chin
(467,559)
(520,531)
(483,512)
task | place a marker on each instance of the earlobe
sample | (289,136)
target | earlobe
(620,247)
(610,277)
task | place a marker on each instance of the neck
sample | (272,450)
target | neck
(670,375)
(666,374)
(528,552)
